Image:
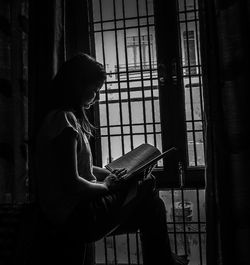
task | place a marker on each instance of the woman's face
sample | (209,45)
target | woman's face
(89,95)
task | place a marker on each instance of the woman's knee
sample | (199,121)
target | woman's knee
(152,209)
(147,186)
(153,216)
(157,205)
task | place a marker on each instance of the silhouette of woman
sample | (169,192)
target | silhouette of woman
(85,201)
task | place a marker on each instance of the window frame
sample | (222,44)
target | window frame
(176,172)
(172,101)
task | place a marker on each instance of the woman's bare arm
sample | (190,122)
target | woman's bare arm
(65,170)
(65,158)
(100,173)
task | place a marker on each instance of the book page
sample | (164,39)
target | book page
(135,159)
(141,158)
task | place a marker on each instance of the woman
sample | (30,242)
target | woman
(85,201)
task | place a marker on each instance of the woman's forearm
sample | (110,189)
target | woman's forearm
(100,173)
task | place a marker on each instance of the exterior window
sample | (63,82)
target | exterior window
(144,103)
(130,111)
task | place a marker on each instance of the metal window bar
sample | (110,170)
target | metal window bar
(174,221)
(121,19)
(141,72)
(184,222)
(150,68)
(103,53)
(199,226)
(128,85)
(130,27)
(107,107)
(137,248)
(119,86)
(199,64)
(190,81)
(188,20)
(128,249)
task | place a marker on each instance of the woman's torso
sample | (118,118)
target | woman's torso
(56,199)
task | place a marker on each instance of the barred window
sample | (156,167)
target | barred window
(128,110)
(133,101)
(153,94)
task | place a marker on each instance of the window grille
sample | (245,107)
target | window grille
(123,39)
(123,33)
(188,21)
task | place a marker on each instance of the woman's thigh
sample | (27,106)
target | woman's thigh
(92,221)
(104,215)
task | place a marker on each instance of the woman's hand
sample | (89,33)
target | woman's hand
(115,180)
(100,173)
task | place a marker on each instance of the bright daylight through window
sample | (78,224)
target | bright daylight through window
(124,41)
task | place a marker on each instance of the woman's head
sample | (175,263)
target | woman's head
(77,81)
(75,87)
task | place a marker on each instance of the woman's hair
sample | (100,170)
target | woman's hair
(75,74)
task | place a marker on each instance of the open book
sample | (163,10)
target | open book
(142,159)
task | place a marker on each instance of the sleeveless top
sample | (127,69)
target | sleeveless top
(56,202)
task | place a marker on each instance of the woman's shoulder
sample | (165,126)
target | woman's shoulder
(57,120)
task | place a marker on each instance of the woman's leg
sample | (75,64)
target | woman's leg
(149,216)
(154,233)
(145,212)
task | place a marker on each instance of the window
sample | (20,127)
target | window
(188,21)
(153,94)
(128,110)
(141,102)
